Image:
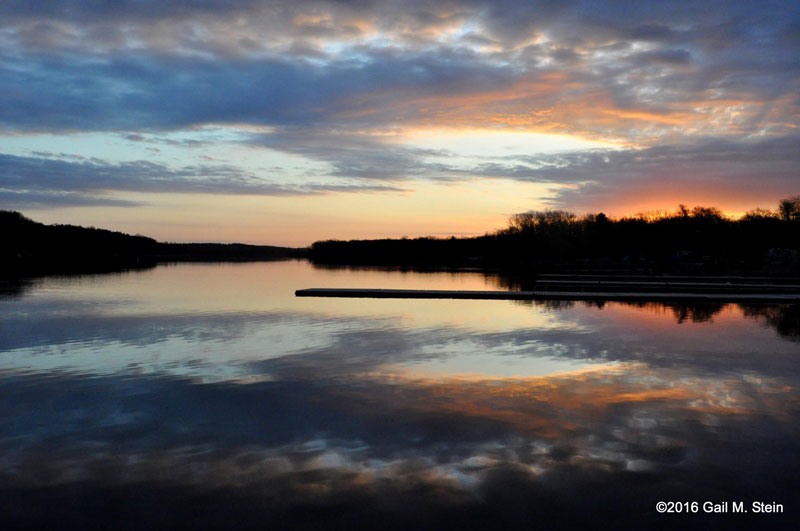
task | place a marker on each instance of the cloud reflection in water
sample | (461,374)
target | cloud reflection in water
(452,445)
(292,417)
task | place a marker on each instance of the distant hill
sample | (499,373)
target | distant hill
(28,247)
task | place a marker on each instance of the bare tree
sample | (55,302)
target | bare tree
(789,208)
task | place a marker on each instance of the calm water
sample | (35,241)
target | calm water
(208,396)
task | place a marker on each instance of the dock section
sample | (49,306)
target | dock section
(564,287)
(681,288)
(413,293)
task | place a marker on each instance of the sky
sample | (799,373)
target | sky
(287,122)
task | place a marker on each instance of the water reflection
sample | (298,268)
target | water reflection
(14,289)
(130,402)
(784,318)
(608,442)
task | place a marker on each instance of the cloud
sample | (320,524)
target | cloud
(670,57)
(329,78)
(14,199)
(140,93)
(652,32)
(709,170)
(167,67)
(43,181)
(710,167)
(723,169)
(360,156)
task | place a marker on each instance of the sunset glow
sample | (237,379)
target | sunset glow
(284,124)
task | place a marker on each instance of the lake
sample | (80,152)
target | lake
(208,396)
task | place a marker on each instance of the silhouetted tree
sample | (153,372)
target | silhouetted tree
(789,208)
(759,214)
(540,220)
(709,213)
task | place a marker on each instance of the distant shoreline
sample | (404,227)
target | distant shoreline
(696,242)
(30,248)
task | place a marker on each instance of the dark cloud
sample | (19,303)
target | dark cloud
(599,175)
(170,93)
(754,169)
(677,57)
(40,181)
(651,32)
(358,156)
(158,84)
(12,199)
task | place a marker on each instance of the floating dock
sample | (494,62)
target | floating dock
(413,294)
(667,288)
(605,287)
(664,296)
(550,295)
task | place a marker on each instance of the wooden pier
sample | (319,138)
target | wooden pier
(597,287)
(413,294)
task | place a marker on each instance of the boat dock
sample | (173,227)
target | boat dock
(744,289)
(604,287)
(413,294)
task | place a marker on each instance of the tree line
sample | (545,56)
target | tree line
(687,241)
(30,248)
(698,240)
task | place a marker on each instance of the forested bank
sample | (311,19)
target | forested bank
(700,240)
(30,248)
